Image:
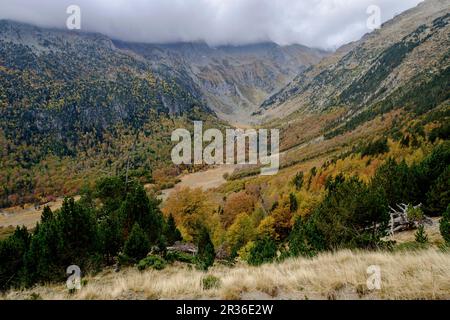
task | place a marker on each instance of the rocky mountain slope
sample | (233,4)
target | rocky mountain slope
(390,67)
(234,80)
(80,101)
(59,85)
(72,103)
(56,74)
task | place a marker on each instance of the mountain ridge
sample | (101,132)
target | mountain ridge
(366,72)
(234,80)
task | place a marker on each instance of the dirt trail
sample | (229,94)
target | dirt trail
(209,179)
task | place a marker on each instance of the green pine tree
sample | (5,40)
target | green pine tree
(421,235)
(312,173)
(206,253)
(293,203)
(47,214)
(444,225)
(78,228)
(138,208)
(110,236)
(137,245)
(263,251)
(171,232)
(43,261)
(298,241)
(439,195)
(298,180)
(12,251)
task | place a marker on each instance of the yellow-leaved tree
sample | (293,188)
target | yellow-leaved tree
(192,210)
(241,232)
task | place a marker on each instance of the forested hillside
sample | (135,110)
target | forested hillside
(71,102)
(387,69)
(364,174)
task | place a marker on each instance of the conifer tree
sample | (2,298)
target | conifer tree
(263,251)
(137,245)
(12,251)
(206,253)
(47,214)
(171,232)
(438,197)
(298,180)
(293,204)
(445,225)
(138,208)
(421,235)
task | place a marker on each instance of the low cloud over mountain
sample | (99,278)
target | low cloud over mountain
(319,23)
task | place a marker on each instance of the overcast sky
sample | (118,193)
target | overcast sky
(317,23)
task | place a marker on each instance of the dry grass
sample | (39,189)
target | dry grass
(27,215)
(423,274)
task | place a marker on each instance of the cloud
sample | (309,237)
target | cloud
(317,23)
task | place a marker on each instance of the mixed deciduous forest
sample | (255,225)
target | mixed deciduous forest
(116,223)
(363,133)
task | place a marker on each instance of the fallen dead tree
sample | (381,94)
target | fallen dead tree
(188,248)
(401,219)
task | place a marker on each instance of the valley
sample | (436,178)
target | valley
(87,176)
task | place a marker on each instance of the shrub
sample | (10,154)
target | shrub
(210,282)
(152,261)
(410,246)
(445,225)
(244,252)
(137,246)
(35,296)
(172,256)
(414,214)
(263,251)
